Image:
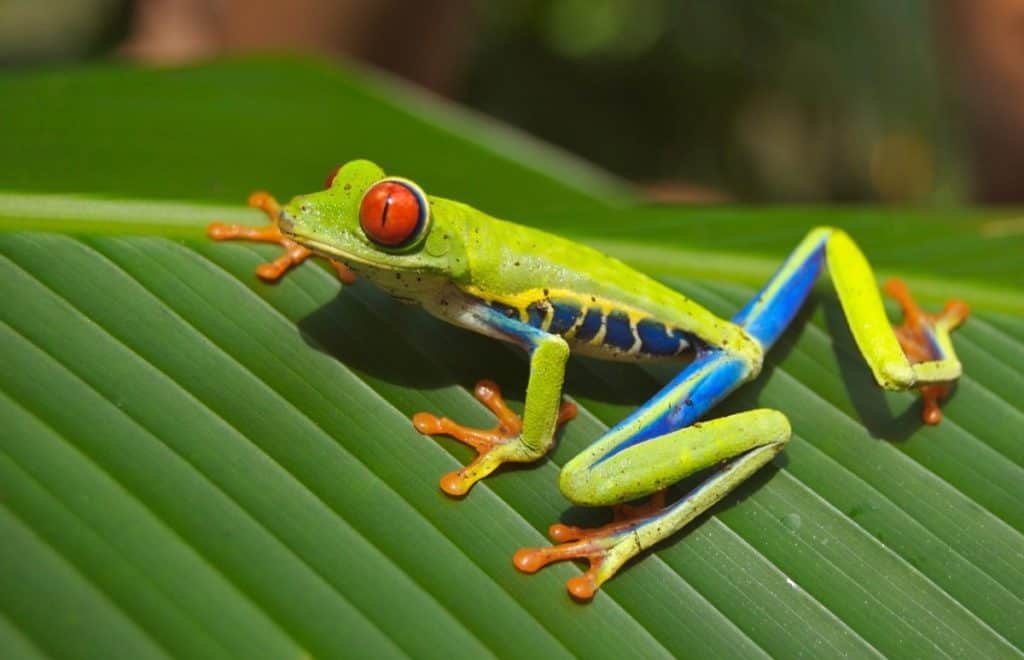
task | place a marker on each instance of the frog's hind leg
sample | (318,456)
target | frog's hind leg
(294,254)
(918,354)
(608,548)
(663,441)
(655,447)
(748,440)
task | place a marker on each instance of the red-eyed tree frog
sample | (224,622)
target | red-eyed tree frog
(551,296)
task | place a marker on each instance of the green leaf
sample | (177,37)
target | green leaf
(195,463)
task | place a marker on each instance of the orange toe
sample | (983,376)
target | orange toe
(493,446)
(455,484)
(294,254)
(594,545)
(560,533)
(529,560)
(582,587)
(426,423)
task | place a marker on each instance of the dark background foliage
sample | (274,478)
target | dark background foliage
(695,101)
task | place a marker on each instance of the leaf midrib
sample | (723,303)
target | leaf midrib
(83,215)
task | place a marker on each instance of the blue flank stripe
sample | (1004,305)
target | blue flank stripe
(563,318)
(656,340)
(697,388)
(618,332)
(590,326)
(497,316)
(773,318)
(535,314)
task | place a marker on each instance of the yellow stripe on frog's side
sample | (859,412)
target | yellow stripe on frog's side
(607,327)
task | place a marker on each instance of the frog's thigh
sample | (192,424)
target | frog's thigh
(654,464)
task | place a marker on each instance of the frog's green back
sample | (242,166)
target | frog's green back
(518,266)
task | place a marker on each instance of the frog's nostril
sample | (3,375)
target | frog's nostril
(305,208)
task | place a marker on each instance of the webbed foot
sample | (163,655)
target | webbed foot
(493,446)
(921,335)
(606,548)
(294,254)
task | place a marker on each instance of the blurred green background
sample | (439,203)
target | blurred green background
(769,101)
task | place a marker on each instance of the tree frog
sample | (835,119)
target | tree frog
(551,296)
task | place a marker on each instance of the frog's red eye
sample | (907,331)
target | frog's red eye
(329,181)
(393,212)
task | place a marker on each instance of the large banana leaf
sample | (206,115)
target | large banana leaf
(195,463)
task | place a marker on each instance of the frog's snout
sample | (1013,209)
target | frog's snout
(285,223)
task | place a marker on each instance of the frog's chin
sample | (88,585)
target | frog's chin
(323,249)
(354,262)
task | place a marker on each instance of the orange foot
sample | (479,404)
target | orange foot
(916,336)
(294,254)
(493,446)
(602,546)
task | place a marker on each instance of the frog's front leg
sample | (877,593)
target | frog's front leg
(515,439)
(294,254)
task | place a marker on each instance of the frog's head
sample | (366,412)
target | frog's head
(375,224)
